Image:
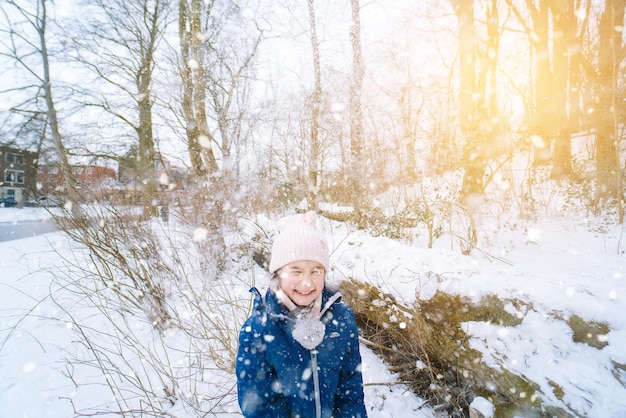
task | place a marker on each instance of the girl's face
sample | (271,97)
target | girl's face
(302,281)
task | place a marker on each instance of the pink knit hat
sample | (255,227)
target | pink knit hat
(298,239)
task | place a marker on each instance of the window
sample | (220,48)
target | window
(14,176)
(13,158)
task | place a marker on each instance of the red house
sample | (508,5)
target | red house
(91,180)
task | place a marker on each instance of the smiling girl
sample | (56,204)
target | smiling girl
(299,351)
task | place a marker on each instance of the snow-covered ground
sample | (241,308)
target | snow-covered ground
(9,215)
(562,267)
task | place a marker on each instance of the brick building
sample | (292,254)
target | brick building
(18,174)
(91,180)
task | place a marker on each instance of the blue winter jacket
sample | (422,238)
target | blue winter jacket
(276,376)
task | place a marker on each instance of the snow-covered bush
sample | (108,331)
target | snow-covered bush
(159,318)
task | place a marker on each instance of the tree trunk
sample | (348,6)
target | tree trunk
(193,74)
(149,193)
(316,105)
(69,182)
(543,112)
(470,99)
(199,88)
(488,69)
(468,44)
(610,54)
(564,22)
(191,125)
(145,164)
(356,112)
(542,100)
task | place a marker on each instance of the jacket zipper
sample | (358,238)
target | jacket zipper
(316,385)
(316,377)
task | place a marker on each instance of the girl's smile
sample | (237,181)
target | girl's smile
(302,281)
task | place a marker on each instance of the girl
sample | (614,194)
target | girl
(299,351)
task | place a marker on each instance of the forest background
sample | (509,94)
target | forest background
(423,118)
(332,101)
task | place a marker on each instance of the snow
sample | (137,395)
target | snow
(25,214)
(557,267)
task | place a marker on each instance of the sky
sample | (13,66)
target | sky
(560,266)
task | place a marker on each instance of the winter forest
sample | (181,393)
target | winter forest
(426,134)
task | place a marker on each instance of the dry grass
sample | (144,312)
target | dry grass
(429,350)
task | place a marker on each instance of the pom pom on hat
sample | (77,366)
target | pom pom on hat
(298,239)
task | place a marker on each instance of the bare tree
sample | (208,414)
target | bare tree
(230,71)
(19,47)
(118,43)
(216,66)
